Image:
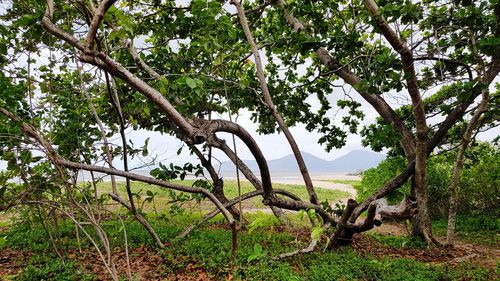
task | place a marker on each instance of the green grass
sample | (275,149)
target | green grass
(209,247)
(42,268)
(230,189)
(350,182)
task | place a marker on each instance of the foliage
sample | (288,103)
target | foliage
(480,182)
(374,178)
(258,253)
(395,241)
(476,228)
(41,268)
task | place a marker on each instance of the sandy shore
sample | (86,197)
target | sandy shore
(319,181)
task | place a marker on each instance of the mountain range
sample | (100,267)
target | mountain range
(354,161)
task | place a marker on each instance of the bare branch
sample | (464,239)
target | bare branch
(58,160)
(308,249)
(139,217)
(233,202)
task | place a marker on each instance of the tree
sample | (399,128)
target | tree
(376,51)
(175,88)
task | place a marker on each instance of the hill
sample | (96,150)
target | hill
(351,162)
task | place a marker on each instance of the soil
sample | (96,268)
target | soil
(12,262)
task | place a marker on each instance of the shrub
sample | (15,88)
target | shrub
(480,180)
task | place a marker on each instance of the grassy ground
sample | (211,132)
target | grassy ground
(26,253)
(477,229)
(205,254)
(163,196)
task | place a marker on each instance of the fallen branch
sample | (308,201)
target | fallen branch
(308,249)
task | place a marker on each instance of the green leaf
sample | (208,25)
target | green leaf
(191,83)
(257,223)
(300,214)
(257,248)
(252,258)
(3,241)
(316,232)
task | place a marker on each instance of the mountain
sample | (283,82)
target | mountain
(351,162)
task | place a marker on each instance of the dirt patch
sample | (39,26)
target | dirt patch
(365,245)
(145,264)
(12,262)
(388,228)
(483,256)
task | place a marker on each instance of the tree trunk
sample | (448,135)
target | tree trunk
(455,182)
(422,221)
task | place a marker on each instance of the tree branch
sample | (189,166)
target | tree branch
(313,198)
(96,21)
(58,160)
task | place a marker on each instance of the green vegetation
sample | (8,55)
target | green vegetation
(479,229)
(396,241)
(353,183)
(480,181)
(163,196)
(42,268)
(200,251)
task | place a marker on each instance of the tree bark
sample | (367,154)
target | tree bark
(455,181)
(218,183)
(420,177)
(247,172)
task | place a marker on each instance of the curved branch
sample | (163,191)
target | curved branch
(96,21)
(213,126)
(150,180)
(244,169)
(390,186)
(58,160)
(380,210)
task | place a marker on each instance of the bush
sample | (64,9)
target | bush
(374,178)
(479,229)
(480,181)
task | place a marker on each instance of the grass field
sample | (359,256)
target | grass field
(162,196)
(352,183)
